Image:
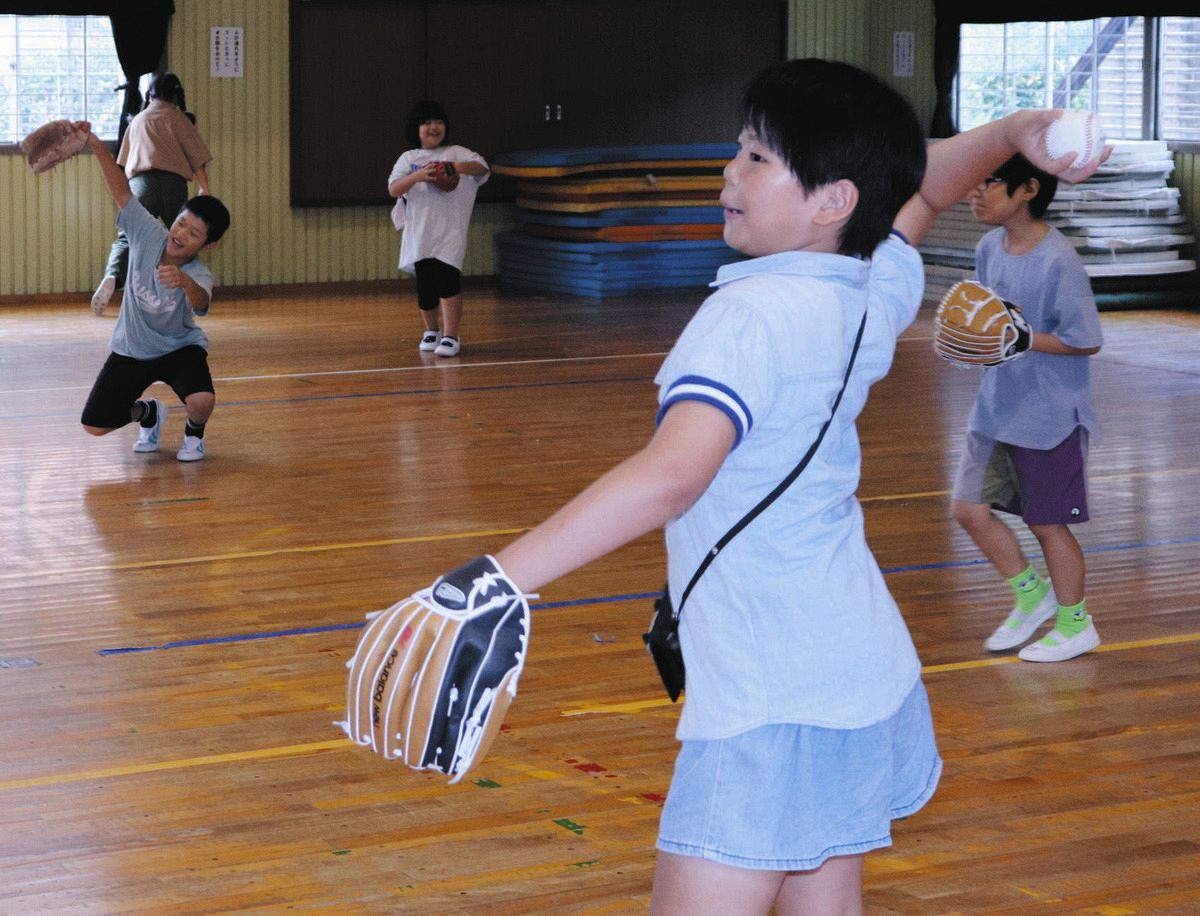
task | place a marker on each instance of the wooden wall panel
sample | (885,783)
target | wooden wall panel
(835,29)
(55,229)
(914,16)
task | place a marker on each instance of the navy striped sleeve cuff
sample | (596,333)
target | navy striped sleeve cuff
(725,399)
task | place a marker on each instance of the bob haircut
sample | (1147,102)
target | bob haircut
(423,111)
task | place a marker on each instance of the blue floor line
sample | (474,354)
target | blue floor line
(608,599)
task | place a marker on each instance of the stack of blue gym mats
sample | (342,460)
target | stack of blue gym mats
(582,194)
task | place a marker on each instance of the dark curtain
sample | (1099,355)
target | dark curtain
(951,14)
(141,39)
(139,33)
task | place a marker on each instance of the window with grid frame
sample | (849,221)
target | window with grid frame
(1138,73)
(55,67)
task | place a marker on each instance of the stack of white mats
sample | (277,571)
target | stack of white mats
(1124,221)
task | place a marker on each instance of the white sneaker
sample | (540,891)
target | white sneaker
(429,340)
(1058,647)
(103,294)
(448,346)
(192,450)
(147,440)
(1018,627)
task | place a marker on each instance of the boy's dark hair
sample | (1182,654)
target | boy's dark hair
(168,88)
(1017,171)
(425,110)
(213,212)
(830,121)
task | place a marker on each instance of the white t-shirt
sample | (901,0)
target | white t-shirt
(435,223)
(792,623)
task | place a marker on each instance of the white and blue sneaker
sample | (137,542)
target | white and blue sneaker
(192,449)
(102,295)
(447,346)
(147,440)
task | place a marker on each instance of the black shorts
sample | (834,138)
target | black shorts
(436,280)
(124,379)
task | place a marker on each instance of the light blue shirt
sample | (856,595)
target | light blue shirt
(1037,400)
(154,319)
(792,622)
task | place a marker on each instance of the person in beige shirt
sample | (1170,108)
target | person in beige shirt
(161,152)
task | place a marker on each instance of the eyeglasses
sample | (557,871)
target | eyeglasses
(989,181)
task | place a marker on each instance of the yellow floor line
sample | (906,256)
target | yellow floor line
(431,538)
(272,552)
(990,662)
(267,753)
(342,744)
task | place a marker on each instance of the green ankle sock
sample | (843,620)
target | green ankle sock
(1029,588)
(1073,619)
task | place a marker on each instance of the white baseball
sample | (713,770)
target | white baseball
(1075,131)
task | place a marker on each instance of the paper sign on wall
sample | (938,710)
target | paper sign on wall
(902,53)
(227,46)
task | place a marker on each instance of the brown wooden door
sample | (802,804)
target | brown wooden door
(487,64)
(655,71)
(356,70)
(513,74)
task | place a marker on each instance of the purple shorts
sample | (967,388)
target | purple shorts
(1043,486)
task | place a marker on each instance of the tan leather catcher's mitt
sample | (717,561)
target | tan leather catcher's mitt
(973,327)
(52,143)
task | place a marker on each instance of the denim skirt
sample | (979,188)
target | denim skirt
(788,797)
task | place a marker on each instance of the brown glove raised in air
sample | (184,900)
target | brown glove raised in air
(54,142)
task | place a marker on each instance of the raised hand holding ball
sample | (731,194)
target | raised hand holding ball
(1076,132)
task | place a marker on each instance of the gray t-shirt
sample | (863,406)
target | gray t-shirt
(154,319)
(1036,401)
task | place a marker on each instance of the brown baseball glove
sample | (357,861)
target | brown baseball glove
(973,327)
(446,176)
(434,674)
(52,143)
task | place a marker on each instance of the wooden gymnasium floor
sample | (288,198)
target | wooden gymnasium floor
(174,636)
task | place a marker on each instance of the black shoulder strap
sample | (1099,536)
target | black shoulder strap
(783,484)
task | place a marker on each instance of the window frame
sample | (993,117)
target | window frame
(110,131)
(1152,42)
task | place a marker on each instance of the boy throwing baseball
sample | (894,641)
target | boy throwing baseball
(806,729)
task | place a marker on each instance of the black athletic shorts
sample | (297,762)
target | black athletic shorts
(124,379)
(436,280)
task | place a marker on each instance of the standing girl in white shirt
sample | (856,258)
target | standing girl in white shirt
(436,184)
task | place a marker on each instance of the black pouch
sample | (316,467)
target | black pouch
(662,639)
(662,642)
